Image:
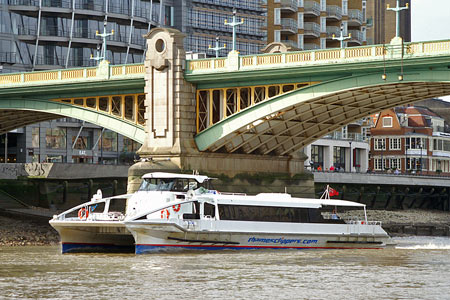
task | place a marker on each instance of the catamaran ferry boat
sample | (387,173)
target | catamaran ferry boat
(208,220)
(97,225)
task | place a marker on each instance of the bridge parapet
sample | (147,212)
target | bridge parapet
(64,76)
(319,57)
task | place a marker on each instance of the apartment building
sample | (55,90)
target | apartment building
(381,23)
(410,139)
(52,34)
(345,150)
(66,140)
(311,24)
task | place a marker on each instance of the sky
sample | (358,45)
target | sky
(430,20)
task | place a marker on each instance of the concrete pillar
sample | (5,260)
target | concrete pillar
(327,157)
(170,100)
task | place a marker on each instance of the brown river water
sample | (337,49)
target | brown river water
(418,268)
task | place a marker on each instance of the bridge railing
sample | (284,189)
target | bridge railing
(323,56)
(65,75)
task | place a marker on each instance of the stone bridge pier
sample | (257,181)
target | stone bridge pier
(171,122)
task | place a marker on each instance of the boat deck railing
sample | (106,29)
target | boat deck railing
(89,206)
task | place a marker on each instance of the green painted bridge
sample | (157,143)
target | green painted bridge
(108,96)
(271,104)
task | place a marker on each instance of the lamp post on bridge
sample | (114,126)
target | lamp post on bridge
(342,38)
(103,35)
(397,10)
(217,48)
(233,24)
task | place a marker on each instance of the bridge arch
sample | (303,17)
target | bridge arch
(34,110)
(286,123)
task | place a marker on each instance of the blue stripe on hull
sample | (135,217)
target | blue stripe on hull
(142,249)
(95,248)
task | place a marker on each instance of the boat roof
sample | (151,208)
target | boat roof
(199,178)
(275,199)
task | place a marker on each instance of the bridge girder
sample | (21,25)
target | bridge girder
(286,123)
(16,113)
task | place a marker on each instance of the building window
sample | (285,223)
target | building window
(323,5)
(35,137)
(395,144)
(379,164)
(55,138)
(323,24)
(379,144)
(300,44)
(109,141)
(344,132)
(300,20)
(387,122)
(441,145)
(82,143)
(129,145)
(365,133)
(277,36)
(277,16)
(416,143)
(323,43)
(54,158)
(395,163)
(344,7)
(339,157)
(416,163)
(316,156)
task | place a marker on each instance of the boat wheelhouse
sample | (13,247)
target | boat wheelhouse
(97,225)
(208,220)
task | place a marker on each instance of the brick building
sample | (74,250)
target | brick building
(410,139)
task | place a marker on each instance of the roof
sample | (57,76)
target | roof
(277,199)
(416,110)
(199,178)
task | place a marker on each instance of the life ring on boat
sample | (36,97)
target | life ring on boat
(176,208)
(83,213)
(165,214)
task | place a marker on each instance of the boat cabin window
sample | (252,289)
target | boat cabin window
(209,210)
(269,214)
(118,204)
(171,184)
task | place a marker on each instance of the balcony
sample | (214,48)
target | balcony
(24,2)
(350,136)
(290,43)
(310,46)
(312,29)
(357,36)
(26,30)
(54,31)
(291,5)
(8,58)
(289,25)
(334,12)
(312,8)
(355,17)
(333,30)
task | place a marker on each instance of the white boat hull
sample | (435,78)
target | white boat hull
(93,236)
(153,236)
